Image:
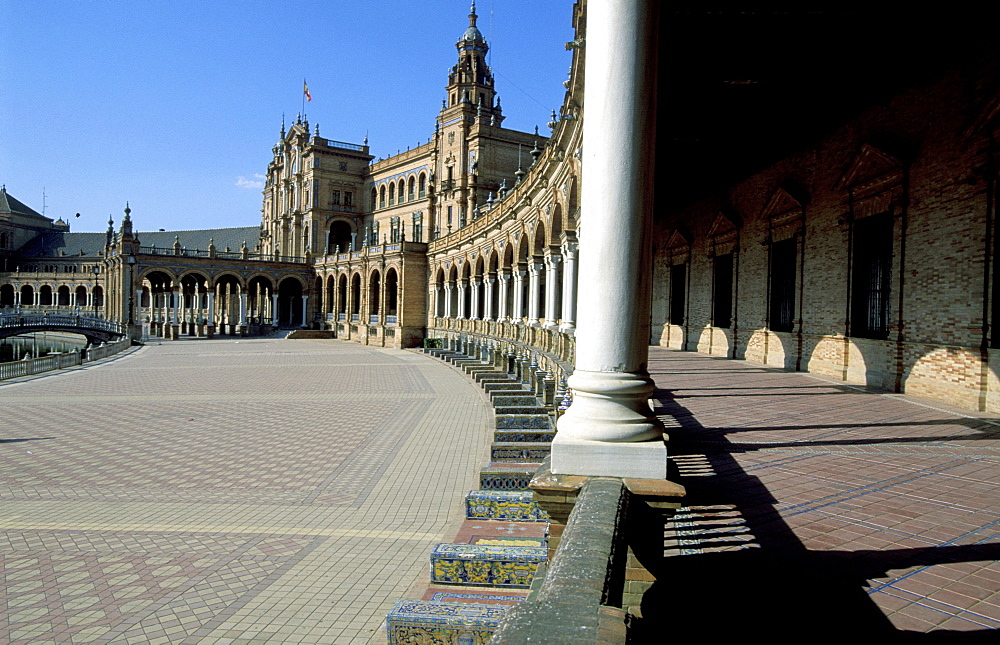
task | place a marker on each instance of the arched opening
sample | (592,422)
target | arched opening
(453,293)
(439,294)
(45,296)
(227,308)
(260,302)
(340,237)
(374,203)
(479,294)
(290,303)
(356,297)
(374,297)
(411,189)
(98,297)
(331,294)
(392,194)
(64,296)
(466,295)
(80,296)
(381,196)
(402,188)
(422,186)
(6,295)
(391,295)
(27,295)
(342,296)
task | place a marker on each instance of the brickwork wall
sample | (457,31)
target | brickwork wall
(916,158)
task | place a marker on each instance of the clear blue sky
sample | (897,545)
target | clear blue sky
(174,106)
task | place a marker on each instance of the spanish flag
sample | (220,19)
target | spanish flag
(305,90)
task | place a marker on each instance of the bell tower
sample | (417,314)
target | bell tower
(470,83)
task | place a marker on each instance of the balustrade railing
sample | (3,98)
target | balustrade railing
(30,319)
(51,362)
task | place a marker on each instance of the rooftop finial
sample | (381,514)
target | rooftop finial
(128,211)
(472,14)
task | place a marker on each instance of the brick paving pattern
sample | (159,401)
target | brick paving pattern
(819,509)
(222,491)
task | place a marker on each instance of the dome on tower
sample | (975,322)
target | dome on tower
(472,34)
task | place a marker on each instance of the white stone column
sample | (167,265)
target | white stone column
(504,277)
(475,285)
(274,309)
(447,300)
(534,286)
(610,429)
(552,287)
(461,299)
(211,308)
(243,309)
(488,311)
(177,306)
(305,300)
(569,248)
(518,312)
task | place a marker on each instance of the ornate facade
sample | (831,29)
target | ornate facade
(865,255)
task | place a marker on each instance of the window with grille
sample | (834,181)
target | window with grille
(722,296)
(871,267)
(678,294)
(782,305)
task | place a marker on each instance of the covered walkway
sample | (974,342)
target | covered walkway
(820,509)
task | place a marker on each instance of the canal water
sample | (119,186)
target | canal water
(14,348)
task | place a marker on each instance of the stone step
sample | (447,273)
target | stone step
(505,386)
(506,476)
(505,506)
(501,400)
(524,436)
(523,421)
(491,376)
(424,621)
(493,565)
(520,410)
(520,451)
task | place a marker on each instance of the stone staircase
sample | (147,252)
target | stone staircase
(524,409)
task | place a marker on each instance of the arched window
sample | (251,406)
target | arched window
(410,190)
(422,186)
(381,196)
(402,190)
(374,199)
(392,194)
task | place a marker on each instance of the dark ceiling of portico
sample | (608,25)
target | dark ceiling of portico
(741,89)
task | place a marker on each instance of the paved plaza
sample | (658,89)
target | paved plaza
(224,491)
(818,510)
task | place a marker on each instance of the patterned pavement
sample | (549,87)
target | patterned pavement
(821,510)
(223,491)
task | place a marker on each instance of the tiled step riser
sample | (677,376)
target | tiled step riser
(520,452)
(491,479)
(476,565)
(419,621)
(523,436)
(533,409)
(523,422)
(500,401)
(503,506)
(504,386)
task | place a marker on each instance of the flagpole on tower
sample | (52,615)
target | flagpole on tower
(305,96)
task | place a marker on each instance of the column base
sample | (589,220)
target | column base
(634,459)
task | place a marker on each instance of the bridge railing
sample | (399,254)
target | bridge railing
(61,361)
(28,319)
